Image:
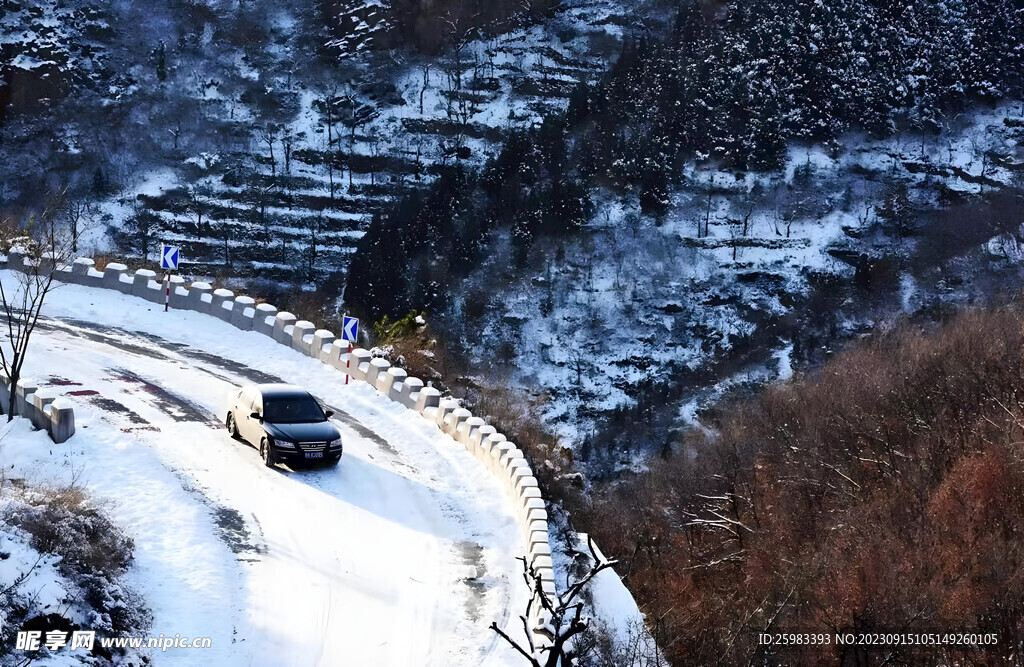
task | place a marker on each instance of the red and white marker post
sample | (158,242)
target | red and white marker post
(169,256)
(350,332)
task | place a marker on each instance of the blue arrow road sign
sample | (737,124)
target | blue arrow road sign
(169,256)
(350,329)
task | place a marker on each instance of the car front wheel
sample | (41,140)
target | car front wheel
(232,426)
(267,453)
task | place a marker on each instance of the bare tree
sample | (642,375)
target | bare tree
(578,363)
(139,231)
(175,133)
(329,157)
(268,135)
(327,104)
(73,212)
(359,114)
(262,194)
(315,225)
(566,613)
(463,32)
(425,68)
(198,205)
(707,212)
(35,251)
(374,157)
(288,140)
(223,231)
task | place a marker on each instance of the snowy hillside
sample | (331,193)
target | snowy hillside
(628,329)
(237,137)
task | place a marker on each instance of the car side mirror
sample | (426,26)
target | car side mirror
(255,415)
(328,413)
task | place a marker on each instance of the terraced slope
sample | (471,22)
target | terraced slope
(253,138)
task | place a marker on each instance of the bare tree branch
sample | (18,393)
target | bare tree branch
(42,248)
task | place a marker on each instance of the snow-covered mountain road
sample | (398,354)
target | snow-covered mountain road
(402,555)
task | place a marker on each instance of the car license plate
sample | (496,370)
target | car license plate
(314,455)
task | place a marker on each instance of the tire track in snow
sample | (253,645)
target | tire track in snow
(160,348)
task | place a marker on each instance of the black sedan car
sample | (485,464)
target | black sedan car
(286,423)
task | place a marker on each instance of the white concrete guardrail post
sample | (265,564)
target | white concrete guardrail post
(284,321)
(179,295)
(144,286)
(444,408)
(80,270)
(478,438)
(62,420)
(322,338)
(411,387)
(244,313)
(427,398)
(200,296)
(466,428)
(302,336)
(376,367)
(16,260)
(516,473)
(23,396)
(222,304)
(497,451)
(486,445)
(114,278)
(263,320)
(456,417)
(335,356)
(358,363)
(390,382)
(39,411)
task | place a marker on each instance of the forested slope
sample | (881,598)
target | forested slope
(734,198)
(883,494)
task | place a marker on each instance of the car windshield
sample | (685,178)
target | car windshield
(292,410)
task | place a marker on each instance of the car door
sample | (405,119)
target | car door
(240,409)
(253,429)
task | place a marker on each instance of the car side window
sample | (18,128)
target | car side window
(257,404)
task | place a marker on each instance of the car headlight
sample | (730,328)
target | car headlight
(335,443)
(284,444)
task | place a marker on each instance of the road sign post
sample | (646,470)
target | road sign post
(349,332)
(169,258)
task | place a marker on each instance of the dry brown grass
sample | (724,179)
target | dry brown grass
(100,261)
(886,493)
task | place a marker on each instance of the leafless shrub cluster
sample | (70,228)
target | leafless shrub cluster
(94,553)
(886,493)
